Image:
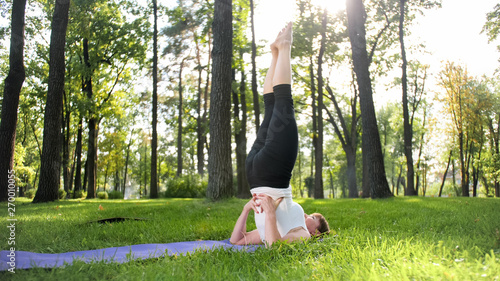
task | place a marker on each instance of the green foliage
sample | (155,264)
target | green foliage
(61,194)
(390,239)
(115,195)
(186,187)
(30,193)
(80,194)
(492,25)
(102,195)
(449,189)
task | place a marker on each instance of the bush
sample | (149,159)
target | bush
(115,195)
(102,195)
(30,193)
(186,187)
(61,194)
(79,194)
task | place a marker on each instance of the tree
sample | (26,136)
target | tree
(240,44)
(182,23)
(379,187)
(78,154)
(255,94)
(492,29)
(305,33)
(51,153)
(154,140)
(408,130)
(492,25)
(493,124)
(318,179)
(407,124)
(105,43)
(347,133)
(12,90)
(417,79)
(202,98)
(389,121)
(220,174)
(466,101)
(190,23)
(180,111)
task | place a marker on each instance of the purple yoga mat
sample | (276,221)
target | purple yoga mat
(25,260)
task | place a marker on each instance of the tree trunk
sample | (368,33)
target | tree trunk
(463,170)
(408,131)
(356,17)
(91,162)
(220,173)
(51,152)
(10,104)
(314,109)
(495,146)
(66,120)
(105,177)
(318,180)
(399,180)
(351,174)
(353,185)
(457,191)
(92,159)
(154,140)
(126,163)
(241,140)
(203,139)
(78,152)
(348,140)
(419,159)
(301,190)
(255,93)
(145,169)
(179,123)
(85,176)
(476,170)
(444,175)
(365,184)
(201,117)
(116,180)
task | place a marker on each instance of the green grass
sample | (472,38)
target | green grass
(391,239)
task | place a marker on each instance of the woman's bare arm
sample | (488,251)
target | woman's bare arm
(240,236)
(269,207)
(272,233)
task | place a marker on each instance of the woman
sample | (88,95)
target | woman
(271,160)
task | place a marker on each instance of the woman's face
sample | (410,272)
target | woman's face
(312,224)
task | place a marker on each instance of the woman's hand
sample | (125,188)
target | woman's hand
(267,203)
(252,205)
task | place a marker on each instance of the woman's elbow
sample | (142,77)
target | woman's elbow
(238,242)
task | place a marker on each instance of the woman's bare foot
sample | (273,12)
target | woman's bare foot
(284,38)
(274,46)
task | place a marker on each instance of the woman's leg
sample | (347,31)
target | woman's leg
(268,103)
(283,72)
(271,163)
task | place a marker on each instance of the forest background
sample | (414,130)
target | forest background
(452,105)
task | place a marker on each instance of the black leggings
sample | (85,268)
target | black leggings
(272,157)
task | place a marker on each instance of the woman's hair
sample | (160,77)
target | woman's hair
(323,227)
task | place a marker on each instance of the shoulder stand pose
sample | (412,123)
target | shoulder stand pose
(271,160)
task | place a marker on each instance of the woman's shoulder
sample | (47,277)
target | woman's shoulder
(296,234)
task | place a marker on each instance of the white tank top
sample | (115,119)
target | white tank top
(289,214)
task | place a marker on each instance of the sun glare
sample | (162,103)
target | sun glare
(333,6)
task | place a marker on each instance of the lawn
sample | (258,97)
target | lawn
(391,239)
